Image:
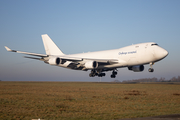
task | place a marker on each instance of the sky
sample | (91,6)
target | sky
(78,26)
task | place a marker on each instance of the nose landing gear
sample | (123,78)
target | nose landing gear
(151,69)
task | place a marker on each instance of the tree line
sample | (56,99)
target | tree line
(173,79)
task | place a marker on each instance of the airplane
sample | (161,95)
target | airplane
(134,57)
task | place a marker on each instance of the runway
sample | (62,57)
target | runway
(162,117)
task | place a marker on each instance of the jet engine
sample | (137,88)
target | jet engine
(54,61)
(91,65)
(138,68)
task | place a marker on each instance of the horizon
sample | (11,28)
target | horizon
(83,26)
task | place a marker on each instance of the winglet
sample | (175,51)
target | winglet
(8,49)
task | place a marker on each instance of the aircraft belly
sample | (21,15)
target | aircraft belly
(119,65)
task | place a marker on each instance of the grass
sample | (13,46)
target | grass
(91,101)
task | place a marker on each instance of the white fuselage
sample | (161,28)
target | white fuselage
(138,54)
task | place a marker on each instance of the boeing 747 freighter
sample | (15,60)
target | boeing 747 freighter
(134,57)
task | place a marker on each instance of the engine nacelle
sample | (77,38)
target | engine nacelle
(138,68)
(91,65)
(54,61)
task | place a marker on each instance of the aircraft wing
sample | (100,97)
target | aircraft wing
(79,63)
(110,61)
(34,58)
(65,57)
(27,53)
(76,59)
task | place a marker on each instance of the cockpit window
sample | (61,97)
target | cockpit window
(154,44)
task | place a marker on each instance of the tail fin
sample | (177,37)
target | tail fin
(50,46)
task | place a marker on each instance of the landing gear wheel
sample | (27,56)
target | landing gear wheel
(113,76)
(91,75)
(151,70)
(101,74)
(114,73)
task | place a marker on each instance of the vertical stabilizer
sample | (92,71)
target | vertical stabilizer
(50,46)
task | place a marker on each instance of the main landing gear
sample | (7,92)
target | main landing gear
(114,73)
(151,69)
(100,74)
(95,73)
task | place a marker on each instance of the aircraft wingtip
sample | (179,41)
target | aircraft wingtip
(8,49)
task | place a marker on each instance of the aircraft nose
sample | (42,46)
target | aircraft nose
(161,53)
(165,53)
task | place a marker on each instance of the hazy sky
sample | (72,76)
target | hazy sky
(78,26)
